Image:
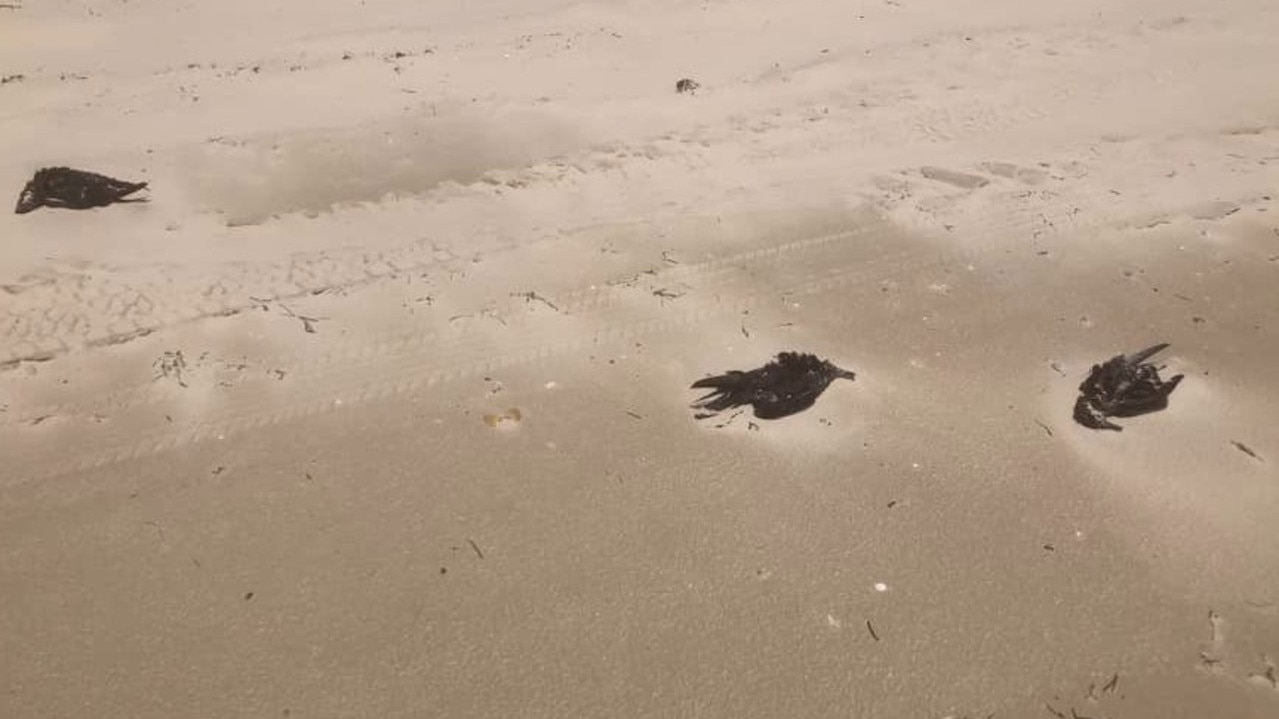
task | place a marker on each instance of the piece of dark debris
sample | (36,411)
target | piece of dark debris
(1246,450)
(1123,386)
(789,384)
(73,189)
(686,85)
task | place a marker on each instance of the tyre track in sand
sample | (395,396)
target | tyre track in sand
(400,362)
(54,312)
(595,315)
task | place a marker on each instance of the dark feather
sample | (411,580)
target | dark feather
(73,189)
(789,384)
(1123,386)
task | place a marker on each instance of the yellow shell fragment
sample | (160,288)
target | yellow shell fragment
(513,415)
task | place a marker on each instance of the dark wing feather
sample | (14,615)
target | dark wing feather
(731,389)
(776,407)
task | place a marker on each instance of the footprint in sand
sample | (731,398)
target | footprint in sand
(1219,656)
(962,180)
(945,188)
(1211,654)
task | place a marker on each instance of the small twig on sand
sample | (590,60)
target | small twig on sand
(1246,450)
(476,547)
(871,628)
(535,297)
(664,294)
(308,323)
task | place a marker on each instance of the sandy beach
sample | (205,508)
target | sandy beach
(378,406)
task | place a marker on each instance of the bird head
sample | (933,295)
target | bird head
(29,200)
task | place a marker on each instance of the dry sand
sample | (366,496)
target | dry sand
(258,453)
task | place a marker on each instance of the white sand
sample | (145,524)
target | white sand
(207,510)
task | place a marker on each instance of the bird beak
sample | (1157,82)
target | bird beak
(27,201)
(1142,356)
(845,374)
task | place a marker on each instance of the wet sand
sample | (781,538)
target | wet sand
(260,453)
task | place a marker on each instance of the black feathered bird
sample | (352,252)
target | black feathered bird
(73,189)
(787,385)
(1124,386)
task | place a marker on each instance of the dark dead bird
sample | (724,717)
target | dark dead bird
(787,385)
(1125,386)
(73,189)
